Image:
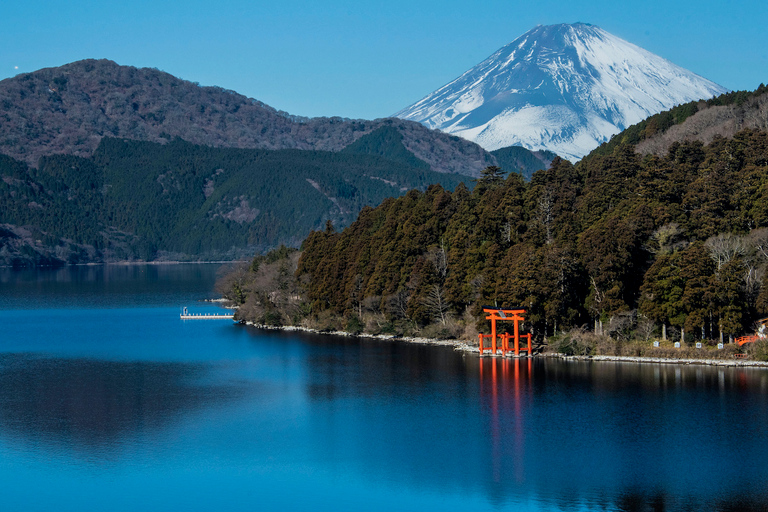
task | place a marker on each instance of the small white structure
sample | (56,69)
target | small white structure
(186,315)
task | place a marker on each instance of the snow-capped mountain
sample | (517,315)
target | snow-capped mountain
(565,88)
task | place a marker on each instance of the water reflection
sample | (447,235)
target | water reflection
(338,367)
(262,414)
(90,406)
(573,435)
(509,382)
(105,285)
(604,376)
(629,436)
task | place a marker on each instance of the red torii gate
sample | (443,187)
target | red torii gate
(513,315)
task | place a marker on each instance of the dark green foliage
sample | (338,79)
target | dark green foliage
(680,288)
(595,241)
(354,325)
(142,200)
(491,176)
(737,97)
(523,161)
(386,142)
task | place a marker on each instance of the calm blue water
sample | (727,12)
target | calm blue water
(109,401)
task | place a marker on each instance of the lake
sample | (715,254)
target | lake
(109,401)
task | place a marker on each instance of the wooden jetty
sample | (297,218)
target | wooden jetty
(186,315)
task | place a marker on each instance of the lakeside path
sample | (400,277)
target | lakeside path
(463,346)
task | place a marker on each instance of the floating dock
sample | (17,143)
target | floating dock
(186,315)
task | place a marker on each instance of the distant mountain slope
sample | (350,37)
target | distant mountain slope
(523,161)
(386,142)
(69,109)
(563,88)
(144,200)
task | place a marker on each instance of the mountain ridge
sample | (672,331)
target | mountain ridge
(68,109)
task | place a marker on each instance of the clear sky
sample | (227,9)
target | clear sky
(361,59)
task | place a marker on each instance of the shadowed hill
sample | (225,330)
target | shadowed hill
(143,200)
(523,161)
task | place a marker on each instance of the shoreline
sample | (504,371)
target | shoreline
(664,360)
(458,345)
(463,346)
(122,263)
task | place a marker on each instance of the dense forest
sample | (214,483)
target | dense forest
(624,244)
(144,200)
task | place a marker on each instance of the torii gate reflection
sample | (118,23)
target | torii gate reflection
(520,381)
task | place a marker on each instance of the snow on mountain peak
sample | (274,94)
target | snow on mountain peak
(566,88)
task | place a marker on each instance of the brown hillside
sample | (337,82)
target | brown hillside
(69,109)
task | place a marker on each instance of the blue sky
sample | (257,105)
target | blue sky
(363,59)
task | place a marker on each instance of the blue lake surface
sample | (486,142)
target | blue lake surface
(109,401)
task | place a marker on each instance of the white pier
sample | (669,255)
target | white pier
(186,315)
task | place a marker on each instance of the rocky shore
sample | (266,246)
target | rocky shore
(665,360)
(464,346)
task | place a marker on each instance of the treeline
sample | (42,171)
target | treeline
(663,121)
(678,241)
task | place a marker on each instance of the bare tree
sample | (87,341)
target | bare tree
(436,303)
(596,306)
(666,239)
(754,272)
(372,304)
(233,284)
(725,247)
(546,213)
(758,238)
(477,283)
(356,294)
(272,294)
(439,258)
(397,303)
(645,327)
(621,325)
(506,232)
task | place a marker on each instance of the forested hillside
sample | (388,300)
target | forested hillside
(143,200)
(522,161)
(618,240)
(721,116)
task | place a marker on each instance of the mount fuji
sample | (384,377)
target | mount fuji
(564,88)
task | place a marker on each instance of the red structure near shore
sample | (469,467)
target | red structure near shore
(508,315)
